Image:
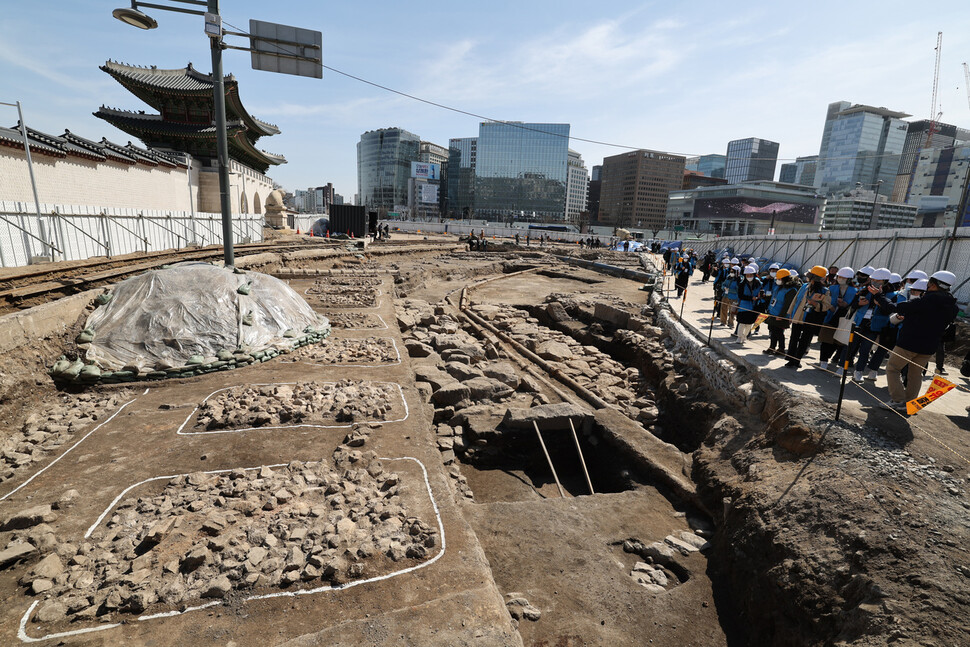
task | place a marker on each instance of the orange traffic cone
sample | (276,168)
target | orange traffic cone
(311,233)
(328,233)
(297,232)
(351,234)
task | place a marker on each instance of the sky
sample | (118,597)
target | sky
(682,77)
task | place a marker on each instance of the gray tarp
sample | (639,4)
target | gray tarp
(161,318)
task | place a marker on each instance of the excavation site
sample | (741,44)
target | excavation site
(411,443)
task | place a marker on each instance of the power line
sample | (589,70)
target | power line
(522,126)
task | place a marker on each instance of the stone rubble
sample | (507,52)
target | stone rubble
(354,320)
(324,285)
(374,350)
(243,407)
(341,297)
(51,426)
(204,536)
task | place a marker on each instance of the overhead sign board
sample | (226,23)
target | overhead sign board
(285,49)
(426,170)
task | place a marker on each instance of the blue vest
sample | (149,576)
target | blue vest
(731,288)
(778,300)
(746,293)
(850,291)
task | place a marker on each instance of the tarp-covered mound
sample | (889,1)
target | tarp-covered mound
(320,228)
(194,313)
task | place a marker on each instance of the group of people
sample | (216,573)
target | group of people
(860,317)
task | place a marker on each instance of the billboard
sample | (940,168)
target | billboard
(428,193)
(755,209)
(426,171)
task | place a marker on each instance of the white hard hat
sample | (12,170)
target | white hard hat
(846,273)
(751,269)
(920,285)
(882,274)
(735,267)
(867,270)
(755,266)
(774,266)
(895,278)
(944,278)
(917,274)
(735,260)
(726,261)
(794,272)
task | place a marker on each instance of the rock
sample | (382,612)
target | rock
(418,349)
(256,555)
(462,372)
(681,545)
(29,517)
(39,586)
(194,559)
(660,553)
(451,394)
(14,552)
(67,500)
(433,376)
(547,416)
(502,371)
(51,611)
(520,608)
(159,531)
(556,312)
(697,542)
(217,588)
(48,568)
(485,388)
(554,351)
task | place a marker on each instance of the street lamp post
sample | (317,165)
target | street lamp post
(138,19)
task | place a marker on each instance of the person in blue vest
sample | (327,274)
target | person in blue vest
(924,322)
(682,272)
(729,297)
(782,294)
(874,304)
(807,311)
(749,290)
(889,332)
(724,270)
(842,292)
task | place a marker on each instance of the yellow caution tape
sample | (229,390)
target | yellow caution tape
(937,389)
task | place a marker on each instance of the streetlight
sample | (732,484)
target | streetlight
(875,199)
(213,28)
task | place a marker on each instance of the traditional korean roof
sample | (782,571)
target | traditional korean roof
(198,140)
(156,86)
(71,145)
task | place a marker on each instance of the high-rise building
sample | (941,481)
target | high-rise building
(752,208)
(750,159)
(384,159)
(521,169)
(801,171)
(860,145)
(918,140)
(636,186)
(861,209)
(432,153)
(711,165)
(941,174)
(593,201)
(577,187)
(460,184)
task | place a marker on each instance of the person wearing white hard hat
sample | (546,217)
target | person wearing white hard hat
(862,276)
(748,290)
(911,278)
(872,309)
(842,293)
(889,332)
(729,297)
(924,321)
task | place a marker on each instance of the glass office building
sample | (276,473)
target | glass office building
(711,165)
(750,159)
(384,159)
(521,170)
(860,144)
(460,189)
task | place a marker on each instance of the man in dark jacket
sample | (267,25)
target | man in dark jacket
(924,321)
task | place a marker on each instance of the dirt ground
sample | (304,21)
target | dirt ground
(859,540)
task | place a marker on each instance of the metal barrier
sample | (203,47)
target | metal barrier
(74,232)
(901,250)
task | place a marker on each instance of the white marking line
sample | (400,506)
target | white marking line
(179,432)
(397,351)
(22,632)
(71,448)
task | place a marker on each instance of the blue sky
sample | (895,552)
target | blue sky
(684,77)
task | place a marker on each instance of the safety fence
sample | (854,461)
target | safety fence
(901,250)
(77,232)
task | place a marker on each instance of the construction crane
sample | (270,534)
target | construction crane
(966,75)
(934,116)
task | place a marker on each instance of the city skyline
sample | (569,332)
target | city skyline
(616,78)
